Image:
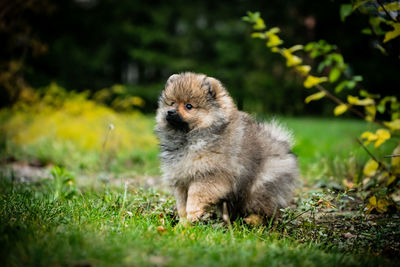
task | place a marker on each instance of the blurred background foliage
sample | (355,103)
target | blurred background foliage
(79,79)
(66,128)
(89,45)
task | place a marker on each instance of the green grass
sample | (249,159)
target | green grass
(55,222)
(103,227)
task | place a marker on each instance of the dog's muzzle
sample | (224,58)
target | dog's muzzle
(175,120)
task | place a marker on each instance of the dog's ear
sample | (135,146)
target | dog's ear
(211,86)
(171,79)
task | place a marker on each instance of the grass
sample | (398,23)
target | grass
(68,220)
(106,227)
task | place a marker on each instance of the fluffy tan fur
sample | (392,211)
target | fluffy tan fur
(212,153)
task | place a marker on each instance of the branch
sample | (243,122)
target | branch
(373,157)
(340,102)
(392,156)
(387,13)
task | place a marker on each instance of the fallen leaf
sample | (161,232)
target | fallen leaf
(349,235)
(161,229)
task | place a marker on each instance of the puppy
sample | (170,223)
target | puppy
(213,153)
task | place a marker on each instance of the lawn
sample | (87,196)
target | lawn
(105,212)
(45,224)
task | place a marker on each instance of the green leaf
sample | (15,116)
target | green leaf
(341,86)
(258,35)
(345,11)
(315,53)
(351,84)
(309,46)
(334,75)
(366,31)
(368,95)
(337,57)
(381,49)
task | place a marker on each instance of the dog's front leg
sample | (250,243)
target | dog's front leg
(181,194)
(203,194)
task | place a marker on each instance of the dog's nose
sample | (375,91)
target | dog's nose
(171,112)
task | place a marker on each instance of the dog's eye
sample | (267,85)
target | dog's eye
(189,106)
(172,103)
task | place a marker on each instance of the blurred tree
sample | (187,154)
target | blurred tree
(92,44)
(19,41)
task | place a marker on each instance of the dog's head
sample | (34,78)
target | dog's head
(192,101)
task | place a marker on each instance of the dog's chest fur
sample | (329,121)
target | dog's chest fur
(184,158)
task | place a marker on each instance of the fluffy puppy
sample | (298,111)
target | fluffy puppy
(213,153)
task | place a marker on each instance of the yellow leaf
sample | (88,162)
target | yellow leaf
(392,34)
(382,205)
(274,40)
(396,160)
(371,110)
(369,136)
(315,96)
(370,168)
(394,6)
(370,208)
(273,30)
(137,101)
(340,109)
(275,49)
(391,179)
(259,25)
(258,35)
(312,81)
(396,151)
(372,200)
(369,118)
(353,100)
(382,136)
(303,69)
(393,125)
(295,48)
(291,60)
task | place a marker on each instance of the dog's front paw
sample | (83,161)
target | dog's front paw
(194,216)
